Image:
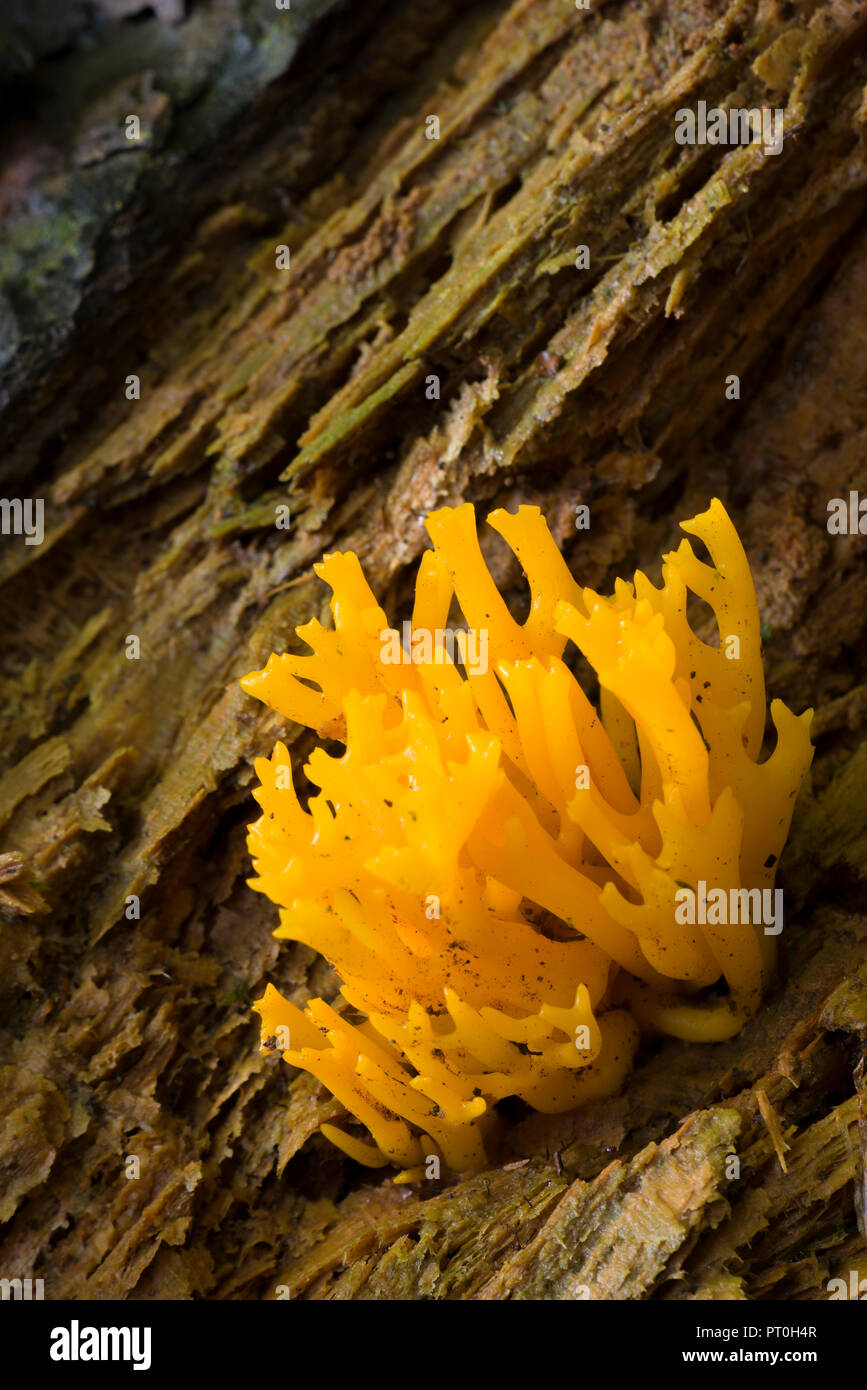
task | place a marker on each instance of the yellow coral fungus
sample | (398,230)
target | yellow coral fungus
(499,874)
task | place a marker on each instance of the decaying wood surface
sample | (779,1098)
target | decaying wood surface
(126,1038)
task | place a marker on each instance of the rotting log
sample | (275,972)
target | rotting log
(260,388)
